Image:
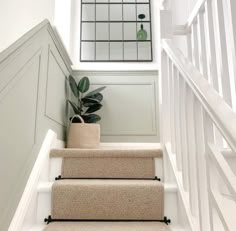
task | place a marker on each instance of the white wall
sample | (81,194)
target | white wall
(69,29)
(17,17)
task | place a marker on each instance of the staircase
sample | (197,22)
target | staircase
(114,186)
(191,179)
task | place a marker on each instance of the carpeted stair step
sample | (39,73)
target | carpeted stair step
(107,226)
(107,200)
(127,162)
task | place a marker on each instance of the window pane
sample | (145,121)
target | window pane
(102,31)
(88,12)
(129,12)
(130,51)
(87,51)
(116,12)
(144,50)
(116,51)
(130,31)
(102,12)
(116,31)
(88,31)
(102,51)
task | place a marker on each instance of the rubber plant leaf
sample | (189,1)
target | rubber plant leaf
(87,102)
(83,85)
(98,97)
(73,86)
(92,118)
(94,92)
(94,108)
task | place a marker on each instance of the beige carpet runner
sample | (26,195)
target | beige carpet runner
(107,185)
(108,200)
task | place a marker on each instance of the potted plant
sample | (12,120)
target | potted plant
(86,102)
(83,132)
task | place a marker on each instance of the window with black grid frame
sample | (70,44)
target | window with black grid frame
(116,31)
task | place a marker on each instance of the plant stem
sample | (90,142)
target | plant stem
(80,104)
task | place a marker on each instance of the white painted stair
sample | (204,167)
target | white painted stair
(38,205)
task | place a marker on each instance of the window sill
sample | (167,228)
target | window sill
(116,67)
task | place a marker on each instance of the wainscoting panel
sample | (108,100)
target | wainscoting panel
(56,90)
(129,112)
(32,100)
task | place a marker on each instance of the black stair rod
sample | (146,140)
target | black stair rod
(89,178)
(50,220)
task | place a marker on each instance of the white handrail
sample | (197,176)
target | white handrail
(197,8)
(219,111)
(222,165)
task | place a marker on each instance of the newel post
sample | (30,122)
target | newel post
(165,64)
(165,32)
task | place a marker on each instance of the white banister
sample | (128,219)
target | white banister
(225,171)
(172,112)
(209,137)
(214,77)
(221,47)
(198,116)
(195,45)
(183,133)
(164,127)
(210,47)
(229,8)
(202,45)
(193,195)
(220,112)
(232,23)
(177,118)
(225,208)
(202,103)
(201,167)
(189,46)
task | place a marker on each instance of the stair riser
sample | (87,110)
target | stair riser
(56,165)
(108,168)
(170,205)
(107,200)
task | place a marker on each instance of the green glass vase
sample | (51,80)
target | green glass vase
(142,34)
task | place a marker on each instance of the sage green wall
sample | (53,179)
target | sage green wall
(32,100)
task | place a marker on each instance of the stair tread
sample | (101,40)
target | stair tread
(109,182)
(107,226)
(47,187)
(112,150)
(37,227)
